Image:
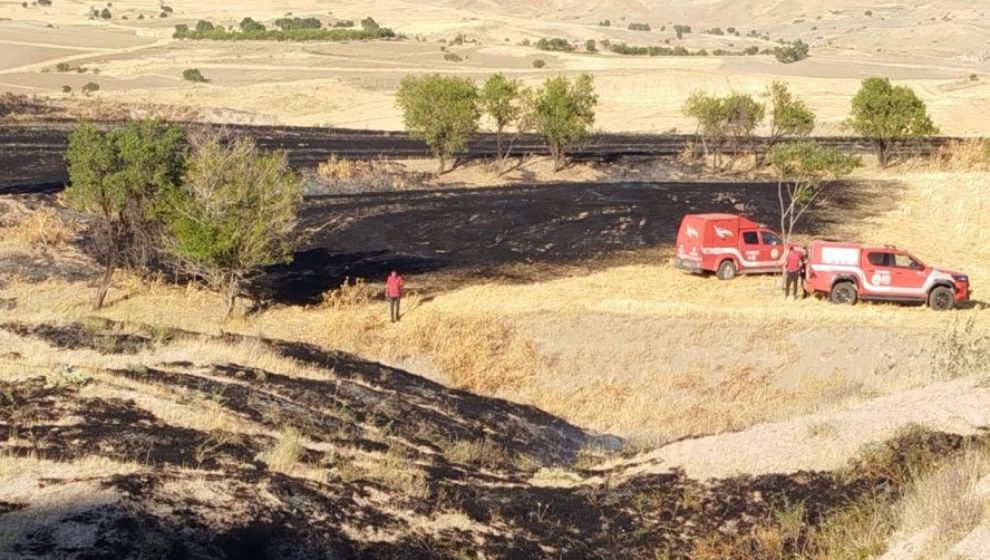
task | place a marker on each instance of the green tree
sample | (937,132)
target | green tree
(248,25)
(119,177)
(235,214)
(794,52)
(441,110)
(887,114)
(193,75)
(724,121)
(590,46)
(789,116)
(202,26)
(804,170)
(502,100)
(563,112)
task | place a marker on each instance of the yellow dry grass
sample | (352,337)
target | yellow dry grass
(942,507)
(41,227)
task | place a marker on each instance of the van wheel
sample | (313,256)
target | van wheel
(941,299)
(726,270)
(843,293)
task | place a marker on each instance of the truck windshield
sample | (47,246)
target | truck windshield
(769,238)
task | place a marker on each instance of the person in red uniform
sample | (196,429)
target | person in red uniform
(792,271)
(393,293)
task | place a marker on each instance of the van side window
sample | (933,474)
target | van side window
(769,238)
(750,238)
(880,259)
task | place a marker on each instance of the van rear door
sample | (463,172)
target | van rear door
(689,237)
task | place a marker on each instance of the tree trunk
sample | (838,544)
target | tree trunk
(103,286)
(883,152)
(498,148)
(442,164)
(232,285)
(557,153)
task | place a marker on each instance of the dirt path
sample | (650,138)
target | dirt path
(823,441)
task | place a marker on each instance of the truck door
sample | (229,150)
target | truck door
(750,248)
(879,271)
(908,273)
(772,248)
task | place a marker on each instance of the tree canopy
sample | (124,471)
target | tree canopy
(563,111)
(442,110)
(886,114)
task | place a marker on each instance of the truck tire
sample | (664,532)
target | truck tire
(843,293)
(941,299)
(726,270)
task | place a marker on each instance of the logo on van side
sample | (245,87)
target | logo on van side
(691,232)
(722,233)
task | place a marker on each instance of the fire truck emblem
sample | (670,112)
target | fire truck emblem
(691,232)
(722,233)
(774,253)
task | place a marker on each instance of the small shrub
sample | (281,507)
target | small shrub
(554,44)
(590,46)
(353,292)
(452,57)
(45,3)
(63,67)
(639,27)
(65,375)
(974,77)
(166,9)
(193,75)
(539,63)
(41,227)
(66,89)
(202,26)
(105,13)
(285,453)
(605,23)
(90,87)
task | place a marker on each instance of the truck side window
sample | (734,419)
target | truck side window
(880,259)
(904,261)
(769,238)
(750,238)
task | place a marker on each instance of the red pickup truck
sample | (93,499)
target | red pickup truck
(848,272)
(728,245)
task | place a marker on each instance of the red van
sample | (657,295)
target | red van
(728,245)
(848,272)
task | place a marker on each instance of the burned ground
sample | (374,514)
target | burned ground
(203,494)
(481,233)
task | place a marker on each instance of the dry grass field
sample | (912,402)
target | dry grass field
(939,48)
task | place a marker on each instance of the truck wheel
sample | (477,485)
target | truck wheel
(843,293)
(726,270)
(941,299)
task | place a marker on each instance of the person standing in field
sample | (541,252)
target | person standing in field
(792,272)
(393,293)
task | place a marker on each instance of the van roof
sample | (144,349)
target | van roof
(716,216)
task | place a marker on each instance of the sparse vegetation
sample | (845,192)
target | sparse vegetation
(539,63)
(633,26)
(555,44)
(90,87)
(888,114)
(291,29)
